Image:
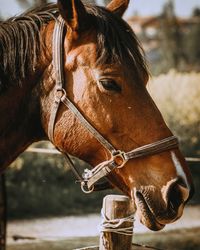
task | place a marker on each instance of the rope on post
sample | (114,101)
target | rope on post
(117,225)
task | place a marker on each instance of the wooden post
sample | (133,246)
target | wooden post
(116,207)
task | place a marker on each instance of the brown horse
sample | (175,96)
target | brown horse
(105,76)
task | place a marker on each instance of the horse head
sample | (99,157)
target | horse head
(105,77)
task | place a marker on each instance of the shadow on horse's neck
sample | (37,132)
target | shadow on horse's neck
(20,121)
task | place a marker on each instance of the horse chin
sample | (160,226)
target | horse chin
(147,218)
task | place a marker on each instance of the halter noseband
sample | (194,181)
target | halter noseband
(118,157)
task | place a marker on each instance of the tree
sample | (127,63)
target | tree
(31,3)
(193,40)
(102,2)
(171,38)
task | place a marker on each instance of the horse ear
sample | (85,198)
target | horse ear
(73,12)
(118,6)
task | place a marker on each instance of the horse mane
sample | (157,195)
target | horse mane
(20,42)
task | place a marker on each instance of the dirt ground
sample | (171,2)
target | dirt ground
(182,235)
(186,239)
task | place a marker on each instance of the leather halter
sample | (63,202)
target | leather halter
(118,158)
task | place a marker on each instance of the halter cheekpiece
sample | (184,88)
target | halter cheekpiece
(119,158)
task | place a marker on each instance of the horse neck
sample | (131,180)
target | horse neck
(20,123)
(19,126)
(20,120)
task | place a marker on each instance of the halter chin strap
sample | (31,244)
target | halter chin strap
(119,158)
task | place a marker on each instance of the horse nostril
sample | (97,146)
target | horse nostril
(174,197)
(177,194)
(187,191)
(181,182)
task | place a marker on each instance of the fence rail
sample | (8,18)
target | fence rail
(3,221)
(193,159)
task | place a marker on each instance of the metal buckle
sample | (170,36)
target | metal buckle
(119,158)
(85,189)
(60,94)
(87,174)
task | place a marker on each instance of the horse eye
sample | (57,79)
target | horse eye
(110,85)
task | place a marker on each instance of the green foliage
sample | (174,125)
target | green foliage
(178,42)
(192,44)
(39,185)
(177,96)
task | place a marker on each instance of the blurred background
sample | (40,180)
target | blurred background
(43,202)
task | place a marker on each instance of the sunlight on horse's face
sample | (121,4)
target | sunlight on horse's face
(120,108)
(122,111)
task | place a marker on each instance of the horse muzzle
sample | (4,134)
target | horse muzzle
(158,207)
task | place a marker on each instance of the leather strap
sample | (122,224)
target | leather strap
(87,125)
(118,158)
(58,68)
(60,94)
(103,169)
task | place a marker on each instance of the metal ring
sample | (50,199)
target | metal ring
(86,191)
(60,94)
(119,159)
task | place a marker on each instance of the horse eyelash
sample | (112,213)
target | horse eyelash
(113,85)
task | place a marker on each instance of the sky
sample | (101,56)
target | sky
(144,7)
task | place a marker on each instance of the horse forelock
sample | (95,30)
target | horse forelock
(20,42)
(116,41)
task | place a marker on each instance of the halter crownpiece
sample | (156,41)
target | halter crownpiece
(119,158)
